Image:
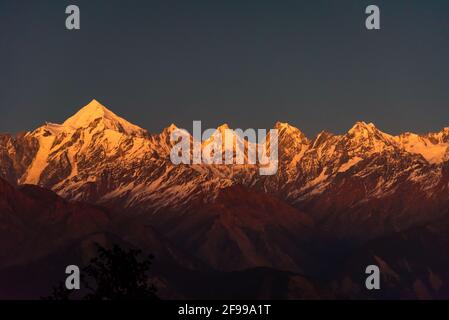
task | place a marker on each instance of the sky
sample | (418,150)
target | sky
(312,64)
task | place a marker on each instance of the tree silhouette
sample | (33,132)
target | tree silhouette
(114,274)
(118,274)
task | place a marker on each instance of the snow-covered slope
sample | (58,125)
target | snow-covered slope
(97,156)
(95,114)
(433,147)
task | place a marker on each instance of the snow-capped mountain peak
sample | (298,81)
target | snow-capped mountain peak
(99,157)
(172,127)
(224,126)
(290,135)
(95,113)
(220,133)
(369,139)
(362,128)
(368,131)
(166,132)
(282,125)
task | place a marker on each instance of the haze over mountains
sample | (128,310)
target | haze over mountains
(332,195)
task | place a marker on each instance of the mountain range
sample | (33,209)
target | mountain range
(336,204)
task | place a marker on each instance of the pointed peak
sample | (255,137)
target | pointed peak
(171,128)
(286,129)
(222,130)
(172,132)
(368,135)
(94,105)
(363,124)
(224,126)
(95,111)
(362,127)
(95,102)
(90,112)
(282,125)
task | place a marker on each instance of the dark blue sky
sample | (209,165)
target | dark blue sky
(248,63)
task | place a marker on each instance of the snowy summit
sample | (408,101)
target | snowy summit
(95,112)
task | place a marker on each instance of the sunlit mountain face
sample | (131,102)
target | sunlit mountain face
(336,204)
